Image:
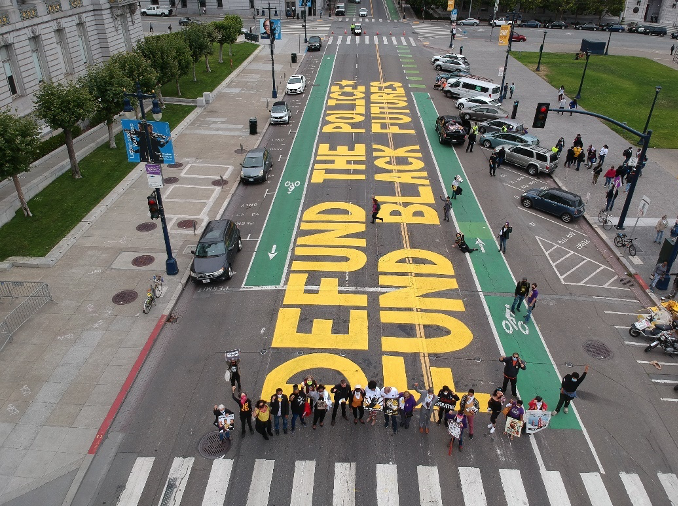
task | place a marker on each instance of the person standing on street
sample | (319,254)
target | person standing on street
(568,390)
(512,88)
(357,400)
(390,396)
(372,397)
(245,411)
(522,289)
(460,421)
(407,404)
(531,302)
(674,287)
(427,400)
(673,47)
(661,225)
(495,405)
(469,406)
(569,157)
(504,235)
(506,89)
(376,207)
(609,176)
(471,141)
(262,419)
(659,273)
(280,407)
(150,28)
(597,170)
(456,185)
(234,370)
(322,404)
(602,154)
(342,393)
(573,105)
(562,105)
(493,164)
(297,404)
(221,413)
(447,207)
(611,196)
(516,411)
(447,400)
(512,366)
(561,93)
(170,28)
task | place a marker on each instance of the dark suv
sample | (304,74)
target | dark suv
(215,252)
(566,205)
(450,130)
(314,43)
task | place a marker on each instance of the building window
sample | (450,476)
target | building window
(7,66)
(62,42)
(84,44)
(39,63)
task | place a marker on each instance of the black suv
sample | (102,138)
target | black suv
(314,43)
(215,253)
(450,130)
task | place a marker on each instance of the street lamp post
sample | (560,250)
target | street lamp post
(171,263)
(305,38)
(508,52)
(274,93)
(583,75)
(657,89)
(609,37)
(541,49)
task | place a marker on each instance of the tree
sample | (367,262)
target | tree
(137,69)
(232,31)
(106,83)
(200,40)
(169,55)
(64,105)
(19,138)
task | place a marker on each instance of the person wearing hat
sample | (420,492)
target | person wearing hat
(357,400)
(494,406)
(297,404)
(428,401)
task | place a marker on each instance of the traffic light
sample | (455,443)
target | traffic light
(153,207)
(540,115)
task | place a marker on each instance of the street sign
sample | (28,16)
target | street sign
(453,15)
(643,206)
(501,71)
(504,34)
(154,175)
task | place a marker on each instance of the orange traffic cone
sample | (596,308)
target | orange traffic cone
(377,33)
(403,33)
(390,33)
(344,32)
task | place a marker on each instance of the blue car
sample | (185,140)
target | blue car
(566,205)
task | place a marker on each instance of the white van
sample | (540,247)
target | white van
(340,10)
(471,86)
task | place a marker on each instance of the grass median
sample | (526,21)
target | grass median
(208,81)
(621,87)
(66,201)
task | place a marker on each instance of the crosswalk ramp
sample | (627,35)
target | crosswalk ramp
(352,484)
(371,40)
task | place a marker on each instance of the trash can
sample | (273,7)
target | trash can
(253,126)
(294,57)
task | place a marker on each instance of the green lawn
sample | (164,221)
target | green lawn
(208,81)
(621,87)
(61,205)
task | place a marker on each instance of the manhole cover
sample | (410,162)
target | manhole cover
(170,180)
(219,182)
(186,224)
(211,447)
(143,260)
(124,297)
(597,349)
(177,165)
(146,227)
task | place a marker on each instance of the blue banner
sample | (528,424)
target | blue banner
(265,28)
(149,141)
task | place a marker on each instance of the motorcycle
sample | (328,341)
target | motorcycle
(647,324)
(667,341)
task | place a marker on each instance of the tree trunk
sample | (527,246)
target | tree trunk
(221,52)
(178,87)
(195,79)
(207,64)
(111,135)
(20,194)
(230,50)
(75,169)
(158,93)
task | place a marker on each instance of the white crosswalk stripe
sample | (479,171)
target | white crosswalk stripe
(387,490)
(367,39)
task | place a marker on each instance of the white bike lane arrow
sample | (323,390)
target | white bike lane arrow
(272,253)
(480,245)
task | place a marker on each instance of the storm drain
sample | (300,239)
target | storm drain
(211,447)
(146,227)
(219,182)
(143,260)
(186,224)
(170,180)
(177,165)
(597,350)
(124,297)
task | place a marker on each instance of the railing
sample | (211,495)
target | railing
(35,296)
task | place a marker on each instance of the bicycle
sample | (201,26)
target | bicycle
(604,218)
(622,241)
(153,293)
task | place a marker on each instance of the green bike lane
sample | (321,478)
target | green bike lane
(267,267)
(493,276)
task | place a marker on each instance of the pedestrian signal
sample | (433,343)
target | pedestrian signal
(540,115)
(153,207)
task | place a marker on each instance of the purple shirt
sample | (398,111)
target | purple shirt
(532,297)
(408,404)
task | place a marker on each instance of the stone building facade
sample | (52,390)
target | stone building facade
(58,39)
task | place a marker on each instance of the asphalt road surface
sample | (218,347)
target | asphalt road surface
(321,290)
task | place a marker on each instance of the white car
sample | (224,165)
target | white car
(500,21)
(362,12)
(296,84)
(471,101)
(448,56)
(469,21)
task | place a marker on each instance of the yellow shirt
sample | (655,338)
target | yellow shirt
(263,416)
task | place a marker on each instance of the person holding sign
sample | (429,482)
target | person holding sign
(390,396)
(372,402)
(224,421)
(514,418)
(470,407)
(447,400)
(455,427)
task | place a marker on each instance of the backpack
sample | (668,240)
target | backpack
(674,230)
(378,207)
(458,190)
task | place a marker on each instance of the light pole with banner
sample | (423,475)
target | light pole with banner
(541,50)
(508,52)
(274,93)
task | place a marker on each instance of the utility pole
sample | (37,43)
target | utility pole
(274,93)
(508,52)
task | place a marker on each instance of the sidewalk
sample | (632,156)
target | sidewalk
(66,367)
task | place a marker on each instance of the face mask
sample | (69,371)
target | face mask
(446,392)
(574,379)
(279,396)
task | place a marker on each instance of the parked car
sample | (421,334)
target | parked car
(592,27)
(362,13)
(533,158)
(256,165)
(656,30)
(280,113)
(296,84)
(674,35)
(632,27)
(188,21)
(314,43)
(157,10)
(500,21)
(449,64)
(450,130)
(566,205)
(436,58)
(497,125)
(483,112)
(518,38)
(494,139)
(532,23)
(469,21)
(479,100)
(214,255)
(615,28)
(559,25)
